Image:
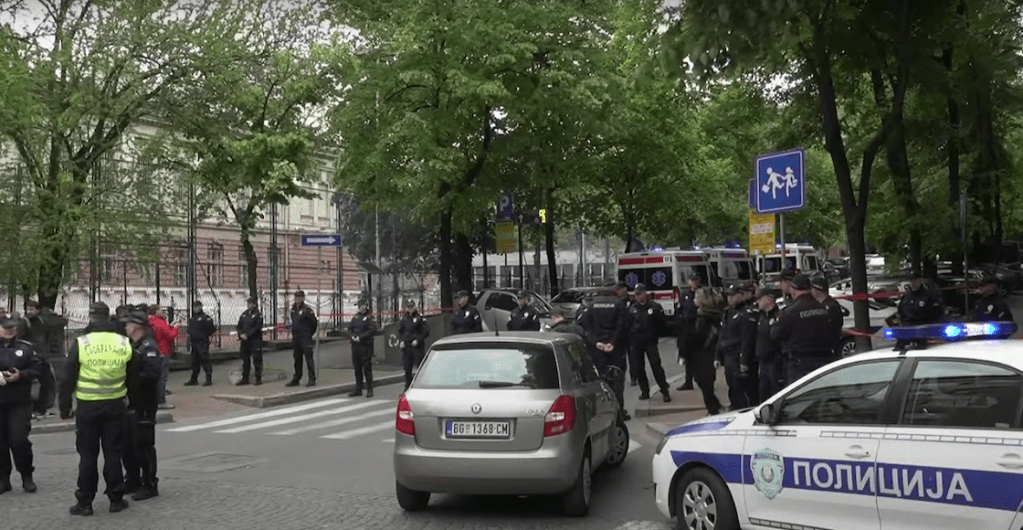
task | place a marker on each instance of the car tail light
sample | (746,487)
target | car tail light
(403,421)
(561,418)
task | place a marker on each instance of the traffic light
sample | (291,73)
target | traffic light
(543,215)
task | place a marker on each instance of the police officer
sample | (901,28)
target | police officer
(991,307)
(524,317)
(819,285)
(785,284)
(303,328)
(362,328)
(762,351)
(466,318)
(685,314)
(200,329)
(412,332)
(250,333)
(798,330)
(140,442)
(645,320)
(120,318)
(101,368)
(584,306)
(45,332)
(606,323)
(920,305)
(735,325)
(19,365)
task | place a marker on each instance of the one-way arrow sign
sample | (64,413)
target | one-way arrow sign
(321,240)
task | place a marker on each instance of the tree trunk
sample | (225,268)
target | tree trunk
(51,269)
(548,228)
(902,183)
(952,150)
(462,263)
(251,263)
(445,259)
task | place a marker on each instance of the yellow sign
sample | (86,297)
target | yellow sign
(543,216)
(505,238)
(761,233)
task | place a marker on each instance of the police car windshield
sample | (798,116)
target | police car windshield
(491,366)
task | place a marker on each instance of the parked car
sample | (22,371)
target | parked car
(570,300)
(1009,280)
(496,305)
(520,413)
(879,315)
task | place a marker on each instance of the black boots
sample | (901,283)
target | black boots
(81,509)
(209,380)
(293,382)
(118,505)
(193,381)
(146,492)
(243,382)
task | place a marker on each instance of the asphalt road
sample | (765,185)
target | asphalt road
(320,464)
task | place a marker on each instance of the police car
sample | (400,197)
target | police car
(927,438)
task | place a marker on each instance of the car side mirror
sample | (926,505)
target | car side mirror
(766,414)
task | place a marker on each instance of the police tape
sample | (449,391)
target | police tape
(896,294)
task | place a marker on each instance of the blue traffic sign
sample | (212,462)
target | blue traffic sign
(506,207)
(321,240)
(780,182)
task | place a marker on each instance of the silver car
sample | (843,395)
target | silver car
(519,413)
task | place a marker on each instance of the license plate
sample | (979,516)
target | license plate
(476,429)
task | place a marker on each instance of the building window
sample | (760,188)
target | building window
(107,264)
(243,269)
(215,264)
(179,257)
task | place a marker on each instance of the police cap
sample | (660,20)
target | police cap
(300,292)
(773,294)
(99,308)
(621,285)
(694,276)
(819,282)
(138,317)
(639,288)
(734,289)
(197,303)
(462,294)
(788,274)
(801,282)
(251,300)
(410,303)
(9,321)
(523,295)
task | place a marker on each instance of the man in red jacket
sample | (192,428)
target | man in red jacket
(164,334)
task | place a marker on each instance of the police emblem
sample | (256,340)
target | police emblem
(649,311)
(771,322)
(768,468)
(19,353)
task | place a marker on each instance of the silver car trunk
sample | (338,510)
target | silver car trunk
(475,419)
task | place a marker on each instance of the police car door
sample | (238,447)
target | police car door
(954,459)
(814,467)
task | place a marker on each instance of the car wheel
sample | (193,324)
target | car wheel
(702,502)
(848,346)
(576,502)
(619,444)
(410,500)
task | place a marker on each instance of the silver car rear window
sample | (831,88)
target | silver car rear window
(496,366)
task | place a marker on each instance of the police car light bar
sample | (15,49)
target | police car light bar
(950,331)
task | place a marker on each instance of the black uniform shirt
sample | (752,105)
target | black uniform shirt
(250,324)
(803,328)
(20,355)
(921,306)
(143,399)
(645,323)
(413,328)
(303,321)
(201,327)
(765,349)
(524,319)
(735,324)
(607,321)
(363,326)
(992,309)
(466,320)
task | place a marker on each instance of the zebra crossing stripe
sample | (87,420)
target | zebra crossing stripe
(335,423)
(259,416)
(303,417)
(345,435)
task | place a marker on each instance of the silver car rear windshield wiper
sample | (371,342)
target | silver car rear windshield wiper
(503,384)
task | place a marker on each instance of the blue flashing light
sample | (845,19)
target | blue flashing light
(657,249)
(950,332)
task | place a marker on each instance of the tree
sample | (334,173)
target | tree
(74,83)
(246,132)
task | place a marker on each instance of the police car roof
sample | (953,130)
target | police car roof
(510,337)
(1004,351)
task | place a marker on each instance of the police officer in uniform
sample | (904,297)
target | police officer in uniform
(799,330)
(101,369)
(200,329)
(303,327)
(991,307)
(819,290)
(736,324)
(140,442)
(412,332)
(362,328)
(785,285)
(19,365)
(645,319)
(466,318)
(685,314)
(763,351)
(587,303)
(606,323)
(524,317)
(918,306)
(250,333)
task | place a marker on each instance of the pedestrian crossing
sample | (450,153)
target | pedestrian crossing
(329,419)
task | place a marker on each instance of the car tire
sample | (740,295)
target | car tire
(848,347)
(410,500)
(576,501)
(619,444)
(701,496)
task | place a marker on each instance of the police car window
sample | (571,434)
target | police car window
(853,394)
(467,365)
(729,269)
(963,394)
(568,297)
(503,301)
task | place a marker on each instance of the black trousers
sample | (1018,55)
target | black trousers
(302,348)
(15,424)
(601,361)
(140,451)
(638,357)
(362,363)
(201,358)
(688,360)
(799,366)
(704,376)
(252,357)
(737,386)
(47,386)
(771,378)
(100,425)
(410,358)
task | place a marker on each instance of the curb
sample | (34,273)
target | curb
(69,426)
(658,429)
(303,395)
(664,410)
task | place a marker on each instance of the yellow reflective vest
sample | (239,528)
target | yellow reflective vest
(102,366)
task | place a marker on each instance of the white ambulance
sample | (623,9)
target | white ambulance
(665,273)
(732,265)
(797,257)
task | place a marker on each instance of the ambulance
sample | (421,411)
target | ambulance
(802,258)
(732,265)
(666,273)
